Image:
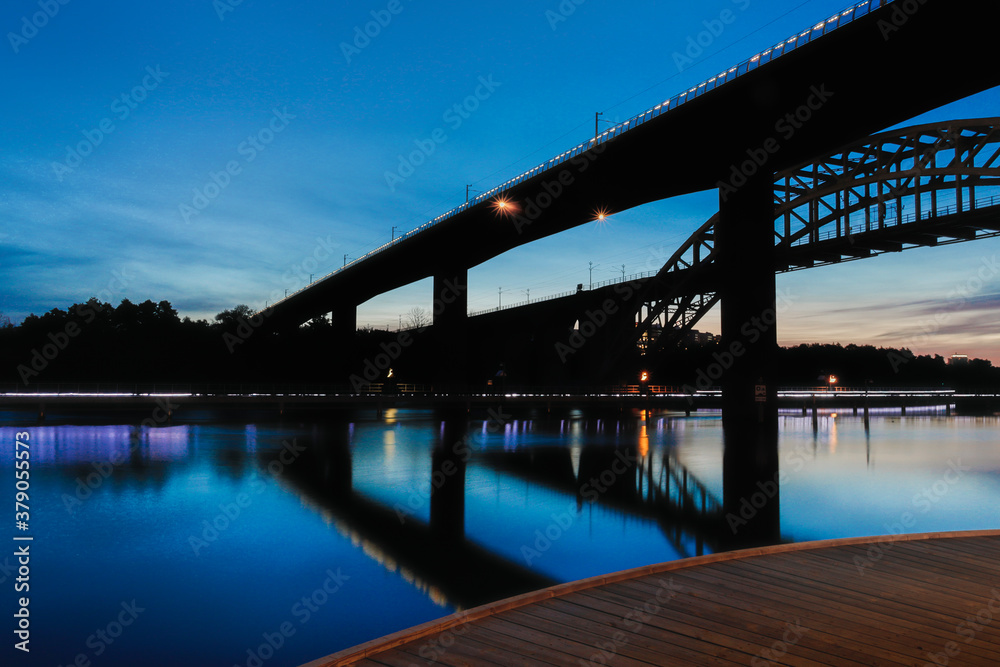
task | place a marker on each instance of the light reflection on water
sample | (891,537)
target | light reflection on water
(220,531)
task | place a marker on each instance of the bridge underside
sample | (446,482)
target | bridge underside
(865,76)
(915,187)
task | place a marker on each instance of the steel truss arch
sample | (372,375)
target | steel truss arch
(926,185)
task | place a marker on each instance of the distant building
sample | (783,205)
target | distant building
(691,337)
(958,360)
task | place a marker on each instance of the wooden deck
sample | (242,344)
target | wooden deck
(907,600)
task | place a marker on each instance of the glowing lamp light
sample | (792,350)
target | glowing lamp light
(644,376)
(601,215)
(504,206)
(832,380)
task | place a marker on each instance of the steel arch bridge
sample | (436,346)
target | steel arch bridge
(926,185)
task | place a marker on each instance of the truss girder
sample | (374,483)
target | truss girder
(847,206)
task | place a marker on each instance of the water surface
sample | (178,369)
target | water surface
(226,543)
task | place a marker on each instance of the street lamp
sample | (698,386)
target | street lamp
(597,123)
(832,380)
(592,265)
(468,189)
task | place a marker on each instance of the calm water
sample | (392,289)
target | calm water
(206,541)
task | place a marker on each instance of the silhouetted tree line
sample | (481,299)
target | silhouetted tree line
(149,343)
(854,366)
(97,342)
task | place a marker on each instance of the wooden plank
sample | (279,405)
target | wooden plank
(815,597)
(573,638)
(959,562)
(878,582)
(931,562)
(729,607)
(633,641)
(908,609)
(952,563)
(559,643)
(712,631)
(979,546)
(751,596)
(524,653)
(951,594)
(860,597)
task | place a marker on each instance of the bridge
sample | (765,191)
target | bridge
(686,144)
(923,186)
(871,66)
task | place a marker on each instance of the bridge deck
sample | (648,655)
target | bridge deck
(868,601)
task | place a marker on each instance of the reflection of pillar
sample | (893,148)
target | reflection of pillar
(609,472)
(451,310)
(345,326)
(745,251)
(337,467)
(448,478)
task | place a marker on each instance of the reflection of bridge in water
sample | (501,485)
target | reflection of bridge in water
(440,558)
(627,479)
(434,556)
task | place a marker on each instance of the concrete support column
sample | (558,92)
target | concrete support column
(745,247)
(451,314)
(344,318)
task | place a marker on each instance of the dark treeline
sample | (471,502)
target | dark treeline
(853,366)
(95,342)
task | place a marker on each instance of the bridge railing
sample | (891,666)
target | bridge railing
(561,295)
(377,388)
(783,47)
(896,220)
(521,304)
(896,391)
(617,281)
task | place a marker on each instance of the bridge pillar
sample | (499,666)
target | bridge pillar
(745,247)
(451,315)
(448,477)
(344,319)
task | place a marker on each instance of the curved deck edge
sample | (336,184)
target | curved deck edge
(375,646)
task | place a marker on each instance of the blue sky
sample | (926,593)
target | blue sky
(248,148)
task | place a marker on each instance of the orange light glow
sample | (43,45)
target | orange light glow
(504,206)
(644,376)
(601,214)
